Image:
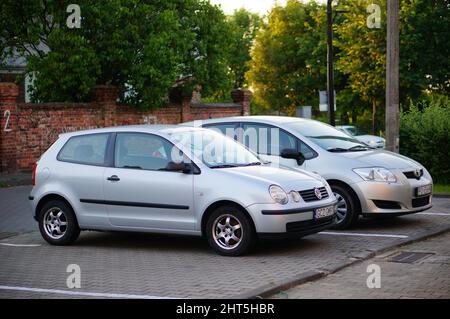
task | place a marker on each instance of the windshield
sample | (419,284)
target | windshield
(351,130)
(327,137)
(214,149)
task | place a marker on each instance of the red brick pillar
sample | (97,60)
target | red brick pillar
(244,98)
(106,99)
(8,126)
(186,112)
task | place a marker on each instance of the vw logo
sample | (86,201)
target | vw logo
(317,193)
(417,173)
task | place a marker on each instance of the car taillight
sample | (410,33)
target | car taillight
(33,177)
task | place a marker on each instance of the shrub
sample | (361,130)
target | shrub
(425,135)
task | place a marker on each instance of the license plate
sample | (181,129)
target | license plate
(424,190)
(324,212)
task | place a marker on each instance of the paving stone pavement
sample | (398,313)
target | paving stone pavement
(176,266)
(426,278)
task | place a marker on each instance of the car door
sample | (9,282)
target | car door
(268,141)
(81,165)
(140,192)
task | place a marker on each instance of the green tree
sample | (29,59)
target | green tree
(141,46)
(288,60)
(362,55)
(424,47)
(244,26)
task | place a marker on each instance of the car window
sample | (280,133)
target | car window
(306,151)
(85,149)
(227,129)
(267,140)
(142,151)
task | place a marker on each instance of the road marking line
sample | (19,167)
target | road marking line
(438,214)
(363,235)
(20,245)
(82,293)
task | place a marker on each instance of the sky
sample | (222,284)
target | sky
(257,6)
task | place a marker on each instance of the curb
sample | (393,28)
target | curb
(441,195)
(313,275)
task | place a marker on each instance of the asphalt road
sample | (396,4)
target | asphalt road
(123,265)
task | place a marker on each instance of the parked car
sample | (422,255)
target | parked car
(173,179)
(371,140)
(366,181)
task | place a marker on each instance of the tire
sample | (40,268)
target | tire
(57,223)
(348,202)
(229,217)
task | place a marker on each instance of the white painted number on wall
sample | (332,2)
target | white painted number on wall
(74,279)
(374,279)
(374,19)
(7,115)
(74,19)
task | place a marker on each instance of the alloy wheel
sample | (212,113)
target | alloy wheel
(342,207)
(55,223)
(227,231)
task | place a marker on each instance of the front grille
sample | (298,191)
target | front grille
(386,204)
(308,225)
(421,201)
(412,174)
(310,196)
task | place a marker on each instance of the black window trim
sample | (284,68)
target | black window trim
(106,156)
(112,153)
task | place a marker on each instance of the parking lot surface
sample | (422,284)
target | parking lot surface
(123,265)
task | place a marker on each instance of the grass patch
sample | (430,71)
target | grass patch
(441,189)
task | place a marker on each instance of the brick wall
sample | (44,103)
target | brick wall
(27,129)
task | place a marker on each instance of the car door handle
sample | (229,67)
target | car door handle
(113,178)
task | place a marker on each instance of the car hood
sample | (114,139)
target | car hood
(381,158)
(286,178)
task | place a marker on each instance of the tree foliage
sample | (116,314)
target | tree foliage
(141,46)
(244,26)
(288,63)
(279,57)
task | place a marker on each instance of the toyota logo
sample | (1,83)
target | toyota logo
(318,193)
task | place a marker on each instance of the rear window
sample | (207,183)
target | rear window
(85,149)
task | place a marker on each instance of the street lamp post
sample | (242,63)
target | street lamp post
(330,75)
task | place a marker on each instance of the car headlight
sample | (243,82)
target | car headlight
(278,194)
(376,174)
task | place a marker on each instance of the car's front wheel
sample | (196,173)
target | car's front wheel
(229,231)
(347,208)
(57,223)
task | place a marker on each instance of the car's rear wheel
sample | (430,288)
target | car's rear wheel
(57,223)
(229,231)
(347,209)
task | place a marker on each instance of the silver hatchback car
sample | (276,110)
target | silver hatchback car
(366,181)
(173,179)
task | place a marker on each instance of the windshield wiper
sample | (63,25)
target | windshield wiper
(252,164)
(224,166)
(360,148)
(337,149)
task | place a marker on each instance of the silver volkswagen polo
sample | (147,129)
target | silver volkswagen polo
(173,179)
(365,180)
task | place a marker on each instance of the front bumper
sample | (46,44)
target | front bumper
(393,198)
(273,220)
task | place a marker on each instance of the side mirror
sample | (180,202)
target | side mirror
(294,154)
(185,168)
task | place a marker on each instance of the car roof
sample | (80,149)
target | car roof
(259,118)
(144,128)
